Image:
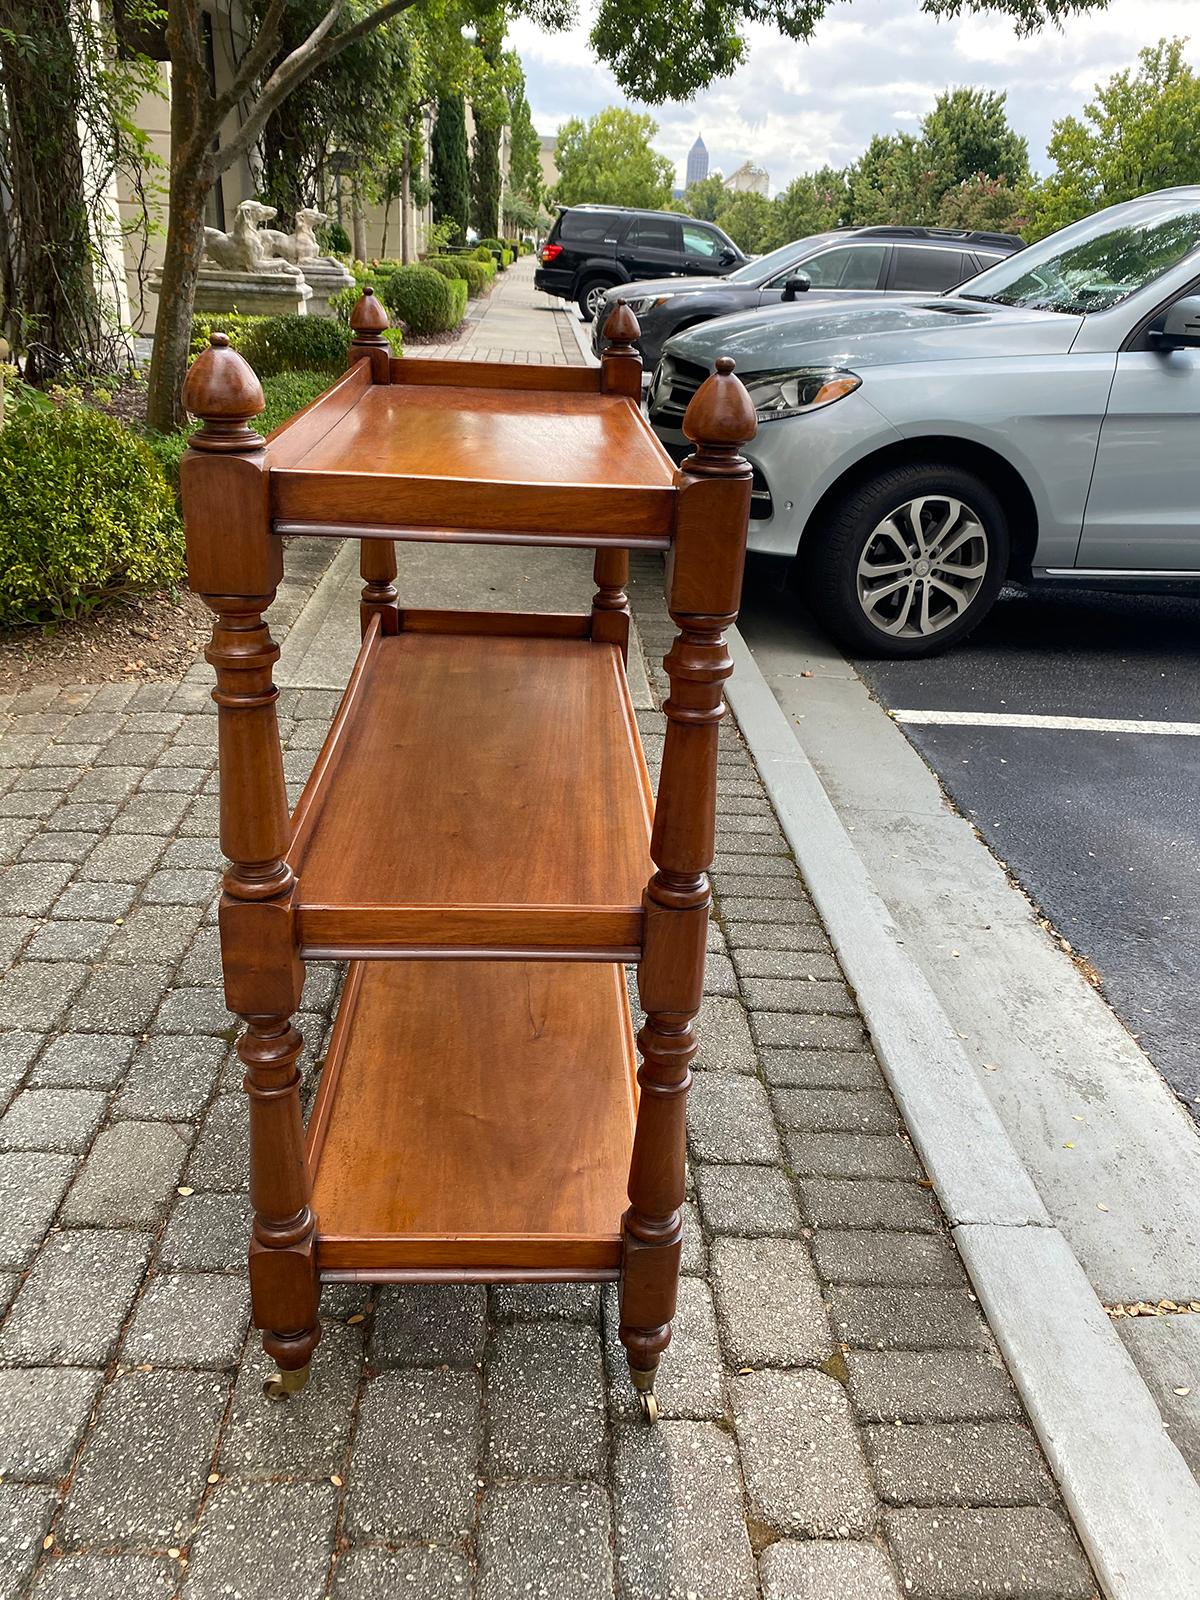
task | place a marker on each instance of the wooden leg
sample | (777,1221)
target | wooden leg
(652,1227)
(610,603)
(283,1256)
(377,567)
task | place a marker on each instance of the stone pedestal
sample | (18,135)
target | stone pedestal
(253,294)
(325,277)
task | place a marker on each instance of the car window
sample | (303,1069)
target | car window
(850,266)
(1095,264)
(919,268)
(766,269)
(587,227)
(653,233)
(699,244)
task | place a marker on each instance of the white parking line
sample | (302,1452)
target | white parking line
(1018,719)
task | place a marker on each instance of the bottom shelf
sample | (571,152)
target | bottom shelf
(475,1120)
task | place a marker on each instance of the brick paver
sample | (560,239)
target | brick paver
(837,1422)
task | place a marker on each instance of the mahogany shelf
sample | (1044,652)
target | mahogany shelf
(478,792)
(475,1119)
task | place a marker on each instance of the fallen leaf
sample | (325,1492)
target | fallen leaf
(1100,1206)
(359,1316)
(335,1480)
(1182,1390)
(185,1190)
(48,1542)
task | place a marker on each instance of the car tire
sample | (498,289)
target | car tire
(908,562)
(591,293)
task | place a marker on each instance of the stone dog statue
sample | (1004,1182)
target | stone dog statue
(300,246)
(244,248)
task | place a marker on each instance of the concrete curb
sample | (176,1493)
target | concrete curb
(579,329)
(1135,1504)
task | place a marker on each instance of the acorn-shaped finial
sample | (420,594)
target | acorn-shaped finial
(621,327)
(720,415)
(223,390)
(368,317)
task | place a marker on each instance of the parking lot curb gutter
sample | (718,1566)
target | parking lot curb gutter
(1135,1504)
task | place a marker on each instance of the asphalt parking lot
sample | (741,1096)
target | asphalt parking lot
(1100,824)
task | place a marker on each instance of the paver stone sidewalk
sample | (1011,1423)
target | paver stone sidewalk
(837,1422)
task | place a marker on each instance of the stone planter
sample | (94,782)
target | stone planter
(253,294)
(325,277)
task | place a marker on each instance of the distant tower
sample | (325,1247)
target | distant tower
(697,162)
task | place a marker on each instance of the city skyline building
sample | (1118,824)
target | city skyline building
(697,162)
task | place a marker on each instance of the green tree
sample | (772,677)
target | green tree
(810,204)
(449,169)
(608,161)
(1140,132)
(353,103)
(751,222)
(705,198)
(982,202)
(525,148)
(967,133)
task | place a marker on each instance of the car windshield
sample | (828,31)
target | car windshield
(758,271)
(1095,264)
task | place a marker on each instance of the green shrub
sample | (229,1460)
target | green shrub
(85,512)
(423,300)
(334,240)
(279,344)
(491,244)
(289,392)
(482,252)
(506,259)
(474,273)
(458,300)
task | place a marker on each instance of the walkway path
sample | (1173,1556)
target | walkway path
(838,1424)
(516,322)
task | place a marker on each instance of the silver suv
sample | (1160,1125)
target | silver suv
(1041,420)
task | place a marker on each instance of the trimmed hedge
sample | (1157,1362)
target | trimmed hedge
(85,512)
(476,275)
(424,300)
(279,344)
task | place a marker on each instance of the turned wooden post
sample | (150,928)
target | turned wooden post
(620,373)
(235,563)
(610,603)
(621,363)
(377,557)
(704,581)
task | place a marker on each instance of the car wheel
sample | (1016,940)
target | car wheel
(591,297)
(909,562)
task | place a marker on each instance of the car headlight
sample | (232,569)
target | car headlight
(646,302)
(799,389)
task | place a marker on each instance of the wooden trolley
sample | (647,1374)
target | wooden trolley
(478,838)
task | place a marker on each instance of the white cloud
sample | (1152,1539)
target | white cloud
(874,66)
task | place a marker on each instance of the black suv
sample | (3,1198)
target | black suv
(884,259)
(592,249)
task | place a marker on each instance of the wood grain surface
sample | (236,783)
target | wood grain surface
(477,791)
(475,1115)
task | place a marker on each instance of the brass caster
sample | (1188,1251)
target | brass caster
(286,1382)
(643,1383)
(648,1402)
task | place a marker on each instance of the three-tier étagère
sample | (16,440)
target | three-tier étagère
(478,839)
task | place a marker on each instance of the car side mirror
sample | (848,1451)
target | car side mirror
(798,283)
(1179,326)
(727,257)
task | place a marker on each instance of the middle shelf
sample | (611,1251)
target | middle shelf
(477,792)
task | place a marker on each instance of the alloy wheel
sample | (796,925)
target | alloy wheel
(595,298)
(922,566)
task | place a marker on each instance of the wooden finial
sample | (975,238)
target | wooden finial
(367,343)
(368,319)
(719,418)
(222,389)
(621,365)
(621,329)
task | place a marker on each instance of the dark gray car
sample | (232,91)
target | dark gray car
(824,266)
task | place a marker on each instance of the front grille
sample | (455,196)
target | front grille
(675,382)
(762,507)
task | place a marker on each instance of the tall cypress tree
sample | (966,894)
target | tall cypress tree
(485,177)
(449,171)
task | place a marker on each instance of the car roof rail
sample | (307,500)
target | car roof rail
(903,230)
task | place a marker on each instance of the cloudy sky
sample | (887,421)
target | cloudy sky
(875,66)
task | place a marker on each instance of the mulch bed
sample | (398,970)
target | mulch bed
(137,640)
